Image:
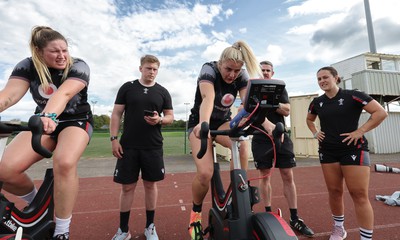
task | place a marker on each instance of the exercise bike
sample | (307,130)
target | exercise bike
(35,221)
(231,216)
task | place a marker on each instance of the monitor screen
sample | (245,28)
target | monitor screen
(266,92)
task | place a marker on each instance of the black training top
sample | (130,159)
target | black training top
(338,115)
(77,108)
(137,133)
(225,94)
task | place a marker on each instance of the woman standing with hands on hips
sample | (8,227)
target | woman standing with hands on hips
(343,149)
(58,84)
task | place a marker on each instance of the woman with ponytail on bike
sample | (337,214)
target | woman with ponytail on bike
(58,84)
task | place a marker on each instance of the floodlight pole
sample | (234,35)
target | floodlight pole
(186,127)
(371,36)
(94,103)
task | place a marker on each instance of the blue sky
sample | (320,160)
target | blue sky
(298,36)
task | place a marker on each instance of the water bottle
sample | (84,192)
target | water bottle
(239,116)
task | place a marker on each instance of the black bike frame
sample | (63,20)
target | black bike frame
(231,211)
(37,218)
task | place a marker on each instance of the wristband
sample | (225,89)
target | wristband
(316,134)
(112,138)
(52,116)
(160,122)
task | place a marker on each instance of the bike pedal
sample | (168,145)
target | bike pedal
(254,195)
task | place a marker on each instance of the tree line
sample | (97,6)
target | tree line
(103,122)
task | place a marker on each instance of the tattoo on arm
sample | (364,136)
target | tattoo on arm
(5,104)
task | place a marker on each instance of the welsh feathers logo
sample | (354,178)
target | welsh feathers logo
(46,93)
(227,100)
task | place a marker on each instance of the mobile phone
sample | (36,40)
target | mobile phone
(148,113)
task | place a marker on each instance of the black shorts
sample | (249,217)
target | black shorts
(148,162)
(263,159)
(84,124)
(358,157)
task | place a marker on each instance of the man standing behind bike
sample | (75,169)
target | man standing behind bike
(140,148)
(285,159)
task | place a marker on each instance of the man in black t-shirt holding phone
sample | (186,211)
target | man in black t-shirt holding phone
(141,102)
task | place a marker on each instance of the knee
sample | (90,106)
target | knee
(359,196)
(64,166)
(7,172)
(335,192)
(204,177)
(287,178)
(127,188)
(149,185)
(244,147)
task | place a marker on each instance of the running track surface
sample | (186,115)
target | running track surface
(96,214)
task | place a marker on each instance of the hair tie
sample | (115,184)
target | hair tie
(236,46)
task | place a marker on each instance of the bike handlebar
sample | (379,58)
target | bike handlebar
(35,125)
(276,133)
(203,139)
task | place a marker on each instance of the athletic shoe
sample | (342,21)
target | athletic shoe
(338,233)
(300,226)
(195,229)
(64,236)
(121,235)
(150,232)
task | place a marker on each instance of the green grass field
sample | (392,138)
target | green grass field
(100,146)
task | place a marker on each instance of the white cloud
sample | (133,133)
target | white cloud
(222,36)
(214,50)
(228,13)
(320,7)
(243,30)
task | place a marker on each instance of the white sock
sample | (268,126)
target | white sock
(62,226)
(28,198)
(365,234)
(339,220)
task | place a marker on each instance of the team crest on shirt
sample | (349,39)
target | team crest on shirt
(341,101)
(145,90)
(320,104)
(227,100)
(47,93)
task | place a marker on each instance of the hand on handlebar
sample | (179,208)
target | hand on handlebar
(199,132)
(48,125)
(203,131)
(36,127)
